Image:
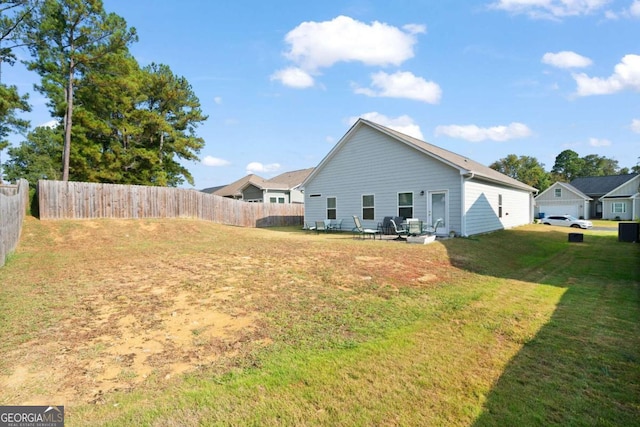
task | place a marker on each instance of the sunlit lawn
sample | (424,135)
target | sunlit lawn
(512,328)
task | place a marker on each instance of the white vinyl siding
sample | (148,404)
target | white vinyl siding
(482,207)
(570,203)
(368,164)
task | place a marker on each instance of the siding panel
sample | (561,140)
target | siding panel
(374,163)
(482,207)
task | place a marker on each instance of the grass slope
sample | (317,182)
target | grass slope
(512,328)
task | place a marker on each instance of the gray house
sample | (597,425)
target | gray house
(374,172)
(284,188)
(606,197)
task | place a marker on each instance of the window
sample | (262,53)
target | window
(405,205)
(272,199)
(558,192)
(618,207)
(499,205)
(368,206)
(331,208)
(280,199)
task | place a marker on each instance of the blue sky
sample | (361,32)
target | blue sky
(282,81)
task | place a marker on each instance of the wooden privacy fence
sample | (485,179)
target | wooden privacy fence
(13,207)
(82,200)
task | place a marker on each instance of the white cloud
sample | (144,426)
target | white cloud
(634,9)
(51,124)
(315,45)
(476,134)
(293,77)
(550,9)
(566,59)
(595,142)
(257,167)
(402,84)
(635,125)
(626,75)
(214,161)
(217,100)
(404,124)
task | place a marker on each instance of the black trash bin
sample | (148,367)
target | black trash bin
(628,232)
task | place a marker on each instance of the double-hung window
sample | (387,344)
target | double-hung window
(405,205)
(557,192)
(618,207)
(331,208)
(368,206)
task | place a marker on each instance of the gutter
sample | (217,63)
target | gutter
(468,176)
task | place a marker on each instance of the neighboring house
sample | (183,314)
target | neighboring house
(374,172)
(606,197)
(284,188)
(562,198)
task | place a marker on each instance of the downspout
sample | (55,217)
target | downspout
(463,211)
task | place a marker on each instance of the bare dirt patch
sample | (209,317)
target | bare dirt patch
(115,305)
(134,318)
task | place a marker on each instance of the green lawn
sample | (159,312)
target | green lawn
(514,328)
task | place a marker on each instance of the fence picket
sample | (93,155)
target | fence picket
(82,200)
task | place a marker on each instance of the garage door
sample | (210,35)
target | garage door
(559,209)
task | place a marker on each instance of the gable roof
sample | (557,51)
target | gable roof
(211,190)
(284,181)
(601,185)
(465,165)
(567,186)
(293,178)
(235,188)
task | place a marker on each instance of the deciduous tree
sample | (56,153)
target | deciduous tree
(38,157)
(525,169)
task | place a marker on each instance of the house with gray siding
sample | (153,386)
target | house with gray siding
(374,172)
(606,197)
(284,188)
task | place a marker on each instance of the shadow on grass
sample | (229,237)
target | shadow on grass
(583,366)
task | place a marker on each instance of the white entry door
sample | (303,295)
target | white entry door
(438,209)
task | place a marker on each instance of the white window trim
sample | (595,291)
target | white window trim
(622,204)
(413,202)
(327,206)
(362,207)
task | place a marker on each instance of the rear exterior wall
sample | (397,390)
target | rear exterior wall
(372,163)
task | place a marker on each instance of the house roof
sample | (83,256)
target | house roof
(465,165)
(235,188)
(211,190)
(566,186)
(284,181)
(293,178)
(601,185)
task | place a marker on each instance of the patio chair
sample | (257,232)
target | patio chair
(414,227)
(320,226)
(433,229)
(335,225)
(400,231)
(364,231)
(386,226)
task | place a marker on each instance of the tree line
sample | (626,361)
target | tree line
(117,122)
(568,166)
